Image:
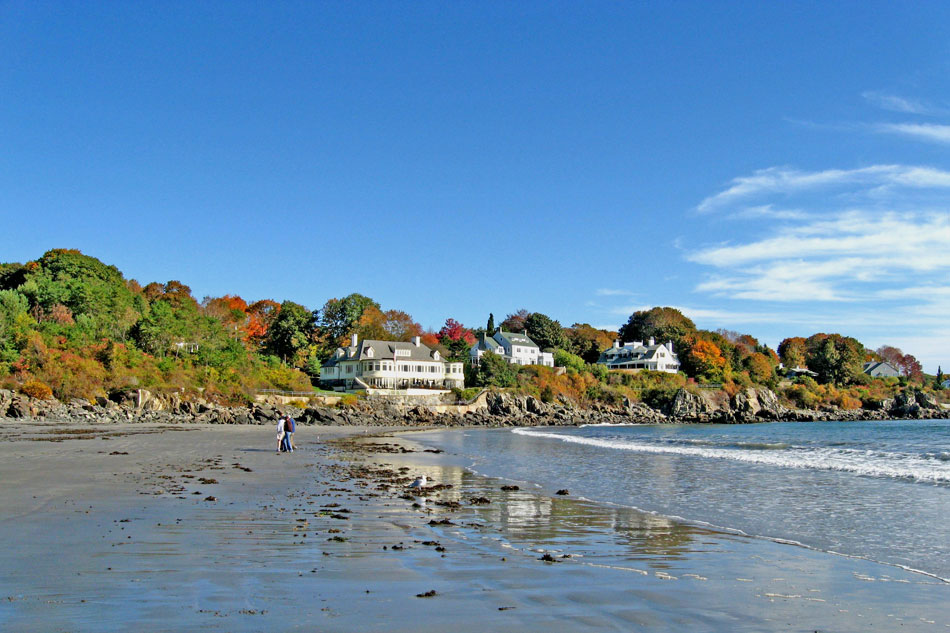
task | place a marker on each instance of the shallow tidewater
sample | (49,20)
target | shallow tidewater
(877,490)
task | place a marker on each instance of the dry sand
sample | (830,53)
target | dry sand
(134,527)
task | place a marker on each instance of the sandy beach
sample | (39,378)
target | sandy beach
(169,528)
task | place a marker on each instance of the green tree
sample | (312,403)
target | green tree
(836,359)
(290,332)
(662,324)
(490,328)
(545,331)
(15,325)
(85,286)
(339,318)
(493,370)
(563,358)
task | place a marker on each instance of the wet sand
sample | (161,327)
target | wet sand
(132,527)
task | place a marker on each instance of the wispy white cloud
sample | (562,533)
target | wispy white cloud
(774,181)
(612,292)
(713,317)
(930,132)
(830,260)
(865,252)
(895,103)
(768,211)
(853,239)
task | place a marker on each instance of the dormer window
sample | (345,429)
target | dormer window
(436,355)
(369,352)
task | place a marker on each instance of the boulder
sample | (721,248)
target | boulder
(746,402)
(19,407)
(689,406)
(6,397)
(926,400)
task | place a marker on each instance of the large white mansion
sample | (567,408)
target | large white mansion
(653,356)
(517,349)
(390,365)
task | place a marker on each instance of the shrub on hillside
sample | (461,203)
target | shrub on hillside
(37,389)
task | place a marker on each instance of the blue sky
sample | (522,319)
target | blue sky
(774,168)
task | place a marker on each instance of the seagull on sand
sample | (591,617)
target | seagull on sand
(420,482)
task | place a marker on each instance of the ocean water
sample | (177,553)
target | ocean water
(873,490)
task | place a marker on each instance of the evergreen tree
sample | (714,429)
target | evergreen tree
(545,331)
(491,324)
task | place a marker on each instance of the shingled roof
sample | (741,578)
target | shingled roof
(383,350)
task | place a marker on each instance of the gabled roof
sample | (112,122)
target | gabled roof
(513,338)
(630,352)
(879,368)
(486,344)
(383,350)
(801,371)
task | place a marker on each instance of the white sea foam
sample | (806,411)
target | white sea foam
(860,462)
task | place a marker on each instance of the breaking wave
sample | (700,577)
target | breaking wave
(925,468)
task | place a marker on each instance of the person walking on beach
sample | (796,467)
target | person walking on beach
(281,433)
(290,426)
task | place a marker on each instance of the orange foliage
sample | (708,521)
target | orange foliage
(707,358)
(260,315)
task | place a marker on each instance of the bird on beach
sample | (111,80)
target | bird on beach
(420,482)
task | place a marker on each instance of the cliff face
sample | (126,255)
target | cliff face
(751,405)
(496,409)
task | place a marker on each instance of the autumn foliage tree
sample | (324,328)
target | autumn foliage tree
(760,367)
(705,360)
(391,325)
(908,365)
(515,322)
(792,351)
(588,342)
(260,316)
(456,338)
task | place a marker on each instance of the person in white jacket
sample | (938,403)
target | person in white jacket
(280,433)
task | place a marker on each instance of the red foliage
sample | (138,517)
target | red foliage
(454,331)
(260,315)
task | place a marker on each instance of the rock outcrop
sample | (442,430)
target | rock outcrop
(499,409)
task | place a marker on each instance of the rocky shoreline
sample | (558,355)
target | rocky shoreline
(499,409)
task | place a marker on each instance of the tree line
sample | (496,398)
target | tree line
(75,327)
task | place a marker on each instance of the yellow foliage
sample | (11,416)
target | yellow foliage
(37,389)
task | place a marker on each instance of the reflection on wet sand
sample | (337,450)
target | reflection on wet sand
(525,518)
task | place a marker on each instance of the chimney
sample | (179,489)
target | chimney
(416,340)
(652,341)
(669,344)
(617,343)
(352,340)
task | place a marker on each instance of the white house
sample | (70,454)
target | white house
(517,349)
(390,365)
(653,356)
